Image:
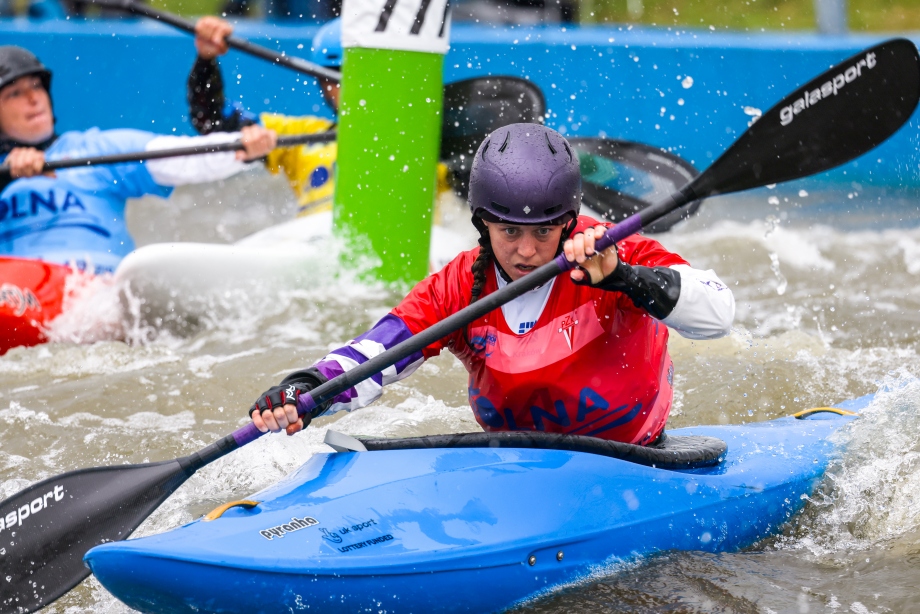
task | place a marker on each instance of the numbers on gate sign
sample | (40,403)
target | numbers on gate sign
(390,6)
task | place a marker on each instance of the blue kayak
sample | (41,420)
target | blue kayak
(466,529)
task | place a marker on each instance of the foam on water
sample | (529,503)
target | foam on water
(825,313)
(871,495)
(91,311)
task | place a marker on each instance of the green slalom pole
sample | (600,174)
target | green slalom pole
(389,133)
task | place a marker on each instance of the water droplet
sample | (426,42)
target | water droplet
(687,82)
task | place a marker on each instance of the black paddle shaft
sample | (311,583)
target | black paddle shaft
(275,57)
(47,528)
(156,154)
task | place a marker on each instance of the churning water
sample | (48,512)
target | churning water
(828,309)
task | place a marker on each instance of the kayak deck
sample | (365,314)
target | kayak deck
(469,529)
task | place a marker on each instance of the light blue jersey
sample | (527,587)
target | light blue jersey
(78,217)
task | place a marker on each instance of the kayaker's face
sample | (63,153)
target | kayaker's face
(331,92)
(25,111)
(520,249)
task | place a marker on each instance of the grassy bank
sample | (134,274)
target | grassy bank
(189,8)
(864,15)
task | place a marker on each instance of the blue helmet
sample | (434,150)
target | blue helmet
(327,45)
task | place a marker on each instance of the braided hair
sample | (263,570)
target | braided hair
(481,264)
(479,269)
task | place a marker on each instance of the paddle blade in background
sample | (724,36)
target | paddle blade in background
(620,178)
(833,119)
(47,528)
(473,108)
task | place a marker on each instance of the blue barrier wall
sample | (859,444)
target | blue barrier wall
(682,90)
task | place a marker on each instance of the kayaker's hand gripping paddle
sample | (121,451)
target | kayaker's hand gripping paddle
(47,528)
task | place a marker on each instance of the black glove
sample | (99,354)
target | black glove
(654,289)
(289,389)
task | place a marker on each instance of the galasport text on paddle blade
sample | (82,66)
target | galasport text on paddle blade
(47,528)
(834,118)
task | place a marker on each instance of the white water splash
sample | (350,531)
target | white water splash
(91,310)
(781,280)
(871,495)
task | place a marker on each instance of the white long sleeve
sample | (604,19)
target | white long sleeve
(200,168)
(705,308)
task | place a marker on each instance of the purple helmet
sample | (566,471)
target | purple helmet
(525,174)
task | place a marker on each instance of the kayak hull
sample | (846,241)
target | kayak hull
(31,295)
(176,285)
(464,530)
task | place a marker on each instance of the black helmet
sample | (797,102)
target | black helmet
(17,62)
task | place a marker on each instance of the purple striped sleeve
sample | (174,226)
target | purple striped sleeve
(387,333)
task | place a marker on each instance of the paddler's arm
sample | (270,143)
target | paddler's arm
(705,308)
(208,167)
(208,109)
(695,303)
(387,333)
(430,301)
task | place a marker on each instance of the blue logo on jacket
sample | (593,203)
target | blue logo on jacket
(70,213)
(37,203)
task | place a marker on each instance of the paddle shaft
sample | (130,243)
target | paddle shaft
(156,154)
(294,63)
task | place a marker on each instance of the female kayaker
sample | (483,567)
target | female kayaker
(586,353)
(77,216)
